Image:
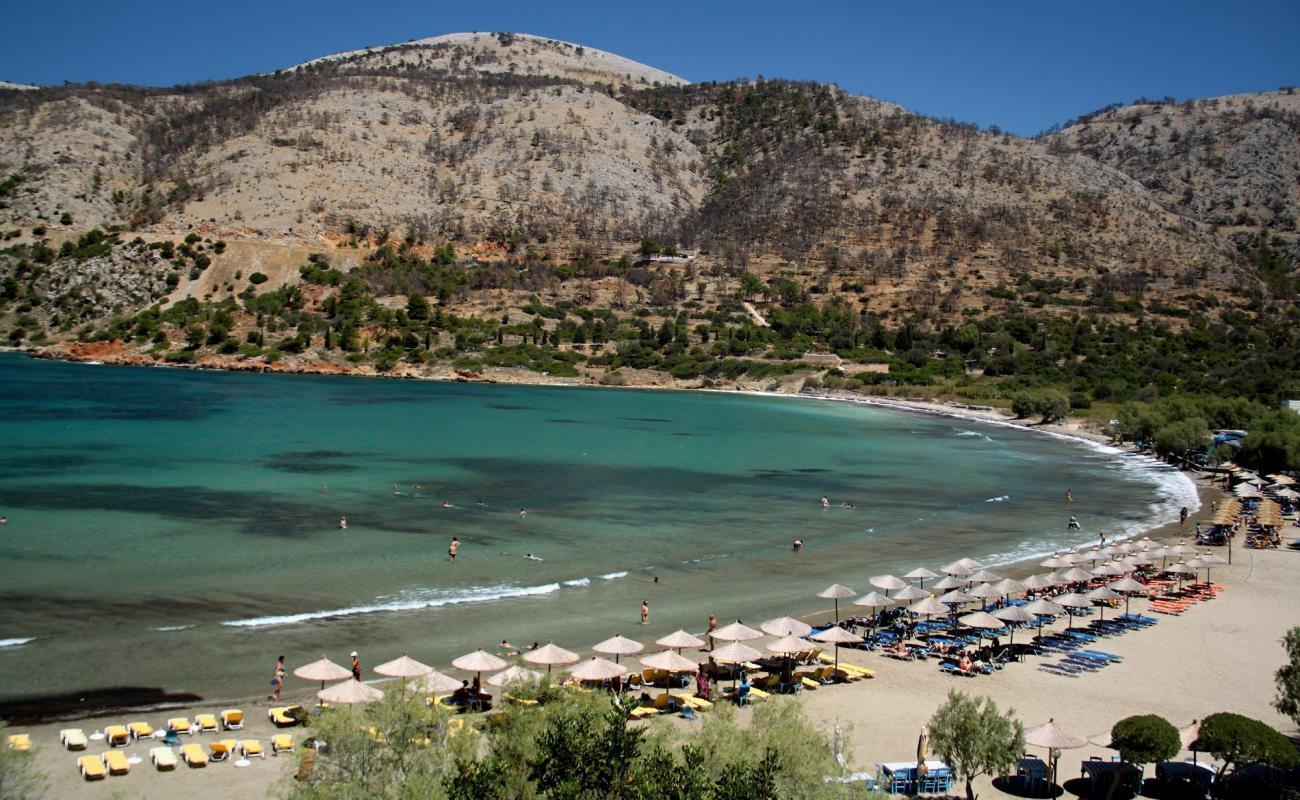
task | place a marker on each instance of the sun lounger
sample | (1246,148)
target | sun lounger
(19,741)
(163,758)
(194,755)
(756,694)
(641,712)
(220,750)
(140,730)
(180,725)
(115,761)
(251,748)
(283,742)
(232,719)
(117,736)
(697,703)
(73,738)
(91,768)
(207,723)
(284,716)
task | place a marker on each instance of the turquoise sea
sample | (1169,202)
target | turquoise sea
(179,530)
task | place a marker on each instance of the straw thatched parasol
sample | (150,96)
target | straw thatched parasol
(948,582)
(618,646)
(956,596)
(735,652)
(736,632)
(1014,614)
(679,639)
(1053,737)
(514,674)
(786,626)
(1184,549)
(1107,570)
(1054,562)
(1039,581)
(789,644)
(982,619)
(598,669)
(874,601)
(835,592)
(1008,586)
(929,607)
(478,662)
(1074,574)
(350,692)
(436,683)
(1103,594)
(984,591)
(1043,607)
(910,593)
(984,576)
(322,670)
(889,583)
(921,574)
(670,660)
(1129,587)
(959,568)
(550,654)
(1072,600)
(404,667)
(837,636)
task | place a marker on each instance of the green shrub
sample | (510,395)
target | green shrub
(257,278)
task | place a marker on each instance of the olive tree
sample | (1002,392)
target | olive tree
(1145,739)
(975,738)
(1288,678)
(1236,740)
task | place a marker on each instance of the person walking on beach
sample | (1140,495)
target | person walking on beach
(1069,496)
(645,612)
(356,666)
(1182,517)
(713,626)
(277,678)
(453,548)
(1074,523)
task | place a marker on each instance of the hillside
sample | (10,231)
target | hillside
(537,193)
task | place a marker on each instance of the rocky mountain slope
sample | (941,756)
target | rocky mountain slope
(507,168)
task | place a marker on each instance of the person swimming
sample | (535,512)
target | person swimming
(826,502)
(523,512)
(1074,523)
(447,504)
(343,523)
(798,545)
(532,557)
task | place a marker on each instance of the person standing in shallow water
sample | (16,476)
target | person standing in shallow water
(453,548)
(645,612)
(356,666)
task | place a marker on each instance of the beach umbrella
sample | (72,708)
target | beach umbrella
(1055,562)
(1008,586)
(948,582)
(671,661)
(912,593)
(478,662)
(1014,614)
(1129,587)
(350,693)
(736,632)
(514,674)
(735,652)
(1056,578)
(1197,564)
(1107,570)
(789,644)
(619,646)
(836,636)
(1076,575)
(598,669)
(874,601)
(1180,569)
(1041,608)
(834,592)
(322,670)
(958,568)
(922,751)
(1184,549)
(889,583)
(985,591)
(786,626)
(1053,738)
(679,639)
(404,667)
(1096,554)
(1245,490)
(983,576)
(1036,582)
(1072,600)
(982,619)
(1282,480)
(920,574)
(955,596)
(1074,557)
(550,655)
(928,607)
(1104,594)
(436,683)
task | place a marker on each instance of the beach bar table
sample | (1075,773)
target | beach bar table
(1184,779)
(1032,774)
(1100,774)
(900,777)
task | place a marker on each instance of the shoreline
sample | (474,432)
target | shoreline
(1018,568)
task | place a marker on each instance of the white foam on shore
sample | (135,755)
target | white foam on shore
(1001,499)
(16,642)
(578,582)
(479,594)
(170,628)
(610,576)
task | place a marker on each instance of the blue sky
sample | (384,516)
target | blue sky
(1019,65)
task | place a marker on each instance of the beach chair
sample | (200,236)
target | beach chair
(641,712)
(283,742)
(252,748)
(665,704)
(756,694)
(163,758)
(180,725)
(194,755)
(206,723)
(697,703)
(91,768)
(221,749)
(285,716)
(73,739)
(117,736)
(115,761)
(232,719)
(140,730)
(19,741)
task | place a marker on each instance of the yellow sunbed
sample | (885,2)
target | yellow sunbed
(180,725)
(232,719)
(194,755)
(221,750)
(664,703)
(643,711)
(19,741)
(697,703)
(140,730)
(758,694)
(281,743)
(91,768)
(206,723)
(283,716)
(117,736)
(73,738)
(116,762)
(251,748)
(163,758)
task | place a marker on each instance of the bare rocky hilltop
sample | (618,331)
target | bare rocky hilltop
(557,174)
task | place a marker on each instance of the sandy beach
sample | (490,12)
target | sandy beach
(1219,655)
